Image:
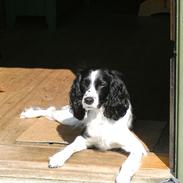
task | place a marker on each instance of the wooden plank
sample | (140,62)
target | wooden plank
(136,179)
(31,162)
(40,153)
(55,132)
(86,166)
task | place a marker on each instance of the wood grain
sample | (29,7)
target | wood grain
(21,88)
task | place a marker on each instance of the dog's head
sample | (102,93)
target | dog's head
(93,89)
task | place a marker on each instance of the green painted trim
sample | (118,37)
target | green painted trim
(179,97)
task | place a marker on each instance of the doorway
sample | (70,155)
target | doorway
(113,34)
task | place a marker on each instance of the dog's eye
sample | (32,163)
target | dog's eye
(101,84)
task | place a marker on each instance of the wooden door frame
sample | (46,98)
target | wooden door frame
(179,92)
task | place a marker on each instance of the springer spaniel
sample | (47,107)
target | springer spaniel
(99,101)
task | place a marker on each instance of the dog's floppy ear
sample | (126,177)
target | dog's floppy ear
(117,101)
(76,96)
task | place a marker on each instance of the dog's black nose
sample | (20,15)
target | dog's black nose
(89,100)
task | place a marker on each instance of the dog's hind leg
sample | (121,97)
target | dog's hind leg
(35,112)
(63,115)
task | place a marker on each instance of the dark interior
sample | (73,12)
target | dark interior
(102,33)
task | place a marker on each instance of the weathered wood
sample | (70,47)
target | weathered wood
(88,166)
(22,88)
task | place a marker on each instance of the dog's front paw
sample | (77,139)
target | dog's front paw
(55,162)
(122,178)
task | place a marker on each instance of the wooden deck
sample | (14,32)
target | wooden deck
(27,162)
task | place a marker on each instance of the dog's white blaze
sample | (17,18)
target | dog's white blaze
(91,92)
(93,76)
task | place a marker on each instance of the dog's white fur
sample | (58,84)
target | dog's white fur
(103,133)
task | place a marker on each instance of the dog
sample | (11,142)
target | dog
(100,103)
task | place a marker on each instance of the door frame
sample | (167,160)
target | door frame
(179,92)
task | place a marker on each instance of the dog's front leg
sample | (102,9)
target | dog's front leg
(136,151)
(129,168)
(62,156)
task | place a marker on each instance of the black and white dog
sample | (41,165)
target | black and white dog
(99,101)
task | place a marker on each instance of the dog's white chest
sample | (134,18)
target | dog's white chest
(97,128)
(100,132)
